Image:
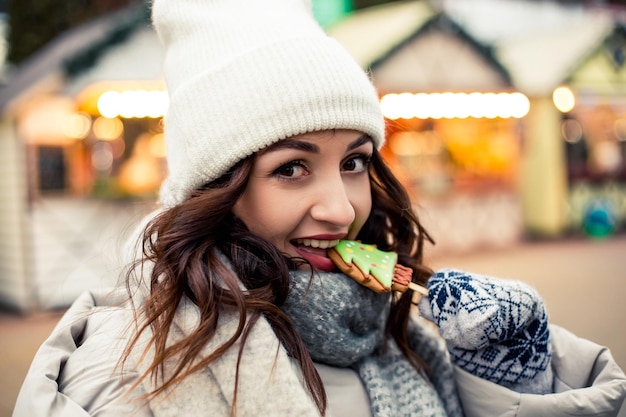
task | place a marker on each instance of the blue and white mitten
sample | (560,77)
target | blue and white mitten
(495,329)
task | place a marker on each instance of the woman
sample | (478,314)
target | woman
(233,307)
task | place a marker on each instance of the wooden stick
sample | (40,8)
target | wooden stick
(418,288)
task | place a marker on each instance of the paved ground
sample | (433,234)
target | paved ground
(583,283)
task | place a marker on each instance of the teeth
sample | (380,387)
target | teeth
(315,243)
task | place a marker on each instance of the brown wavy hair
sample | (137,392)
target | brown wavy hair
(183,246)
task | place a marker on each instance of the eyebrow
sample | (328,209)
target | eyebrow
(360,141)
(311,147)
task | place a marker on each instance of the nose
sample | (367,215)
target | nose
(332,203)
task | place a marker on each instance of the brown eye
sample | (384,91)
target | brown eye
(286,171)
(291,170)
(356,163)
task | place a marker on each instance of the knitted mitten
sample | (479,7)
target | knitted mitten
(495,329)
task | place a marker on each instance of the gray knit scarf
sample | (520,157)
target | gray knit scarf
(342,324)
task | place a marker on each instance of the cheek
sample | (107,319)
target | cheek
(262,212)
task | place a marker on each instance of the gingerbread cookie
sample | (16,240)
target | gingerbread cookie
(371,267)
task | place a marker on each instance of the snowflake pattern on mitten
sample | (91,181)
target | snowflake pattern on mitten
(495,329)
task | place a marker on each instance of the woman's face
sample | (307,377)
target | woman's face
(307,192)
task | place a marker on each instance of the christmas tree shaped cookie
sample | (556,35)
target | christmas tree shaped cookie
(372,267)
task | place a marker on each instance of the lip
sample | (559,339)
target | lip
(326,236)
(315,253)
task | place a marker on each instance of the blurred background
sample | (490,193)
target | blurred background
(506,121)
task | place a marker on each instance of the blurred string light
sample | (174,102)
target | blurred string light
(563,98)
(571,130)
(77,125)
(102,157)
(133,104)
(105,128)
(449,105)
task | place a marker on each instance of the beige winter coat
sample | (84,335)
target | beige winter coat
(74,375)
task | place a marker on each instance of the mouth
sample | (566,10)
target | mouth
(314,251)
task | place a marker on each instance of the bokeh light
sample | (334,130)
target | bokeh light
(133,104)
(564,99)
(455,105)
(108,128)
(77,125)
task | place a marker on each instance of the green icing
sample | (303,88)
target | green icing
(369,259)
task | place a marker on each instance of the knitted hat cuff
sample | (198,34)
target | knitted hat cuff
(230,111)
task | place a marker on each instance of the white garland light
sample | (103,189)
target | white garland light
(449,105)
(133,104)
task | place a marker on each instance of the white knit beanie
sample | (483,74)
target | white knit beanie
(243,74)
